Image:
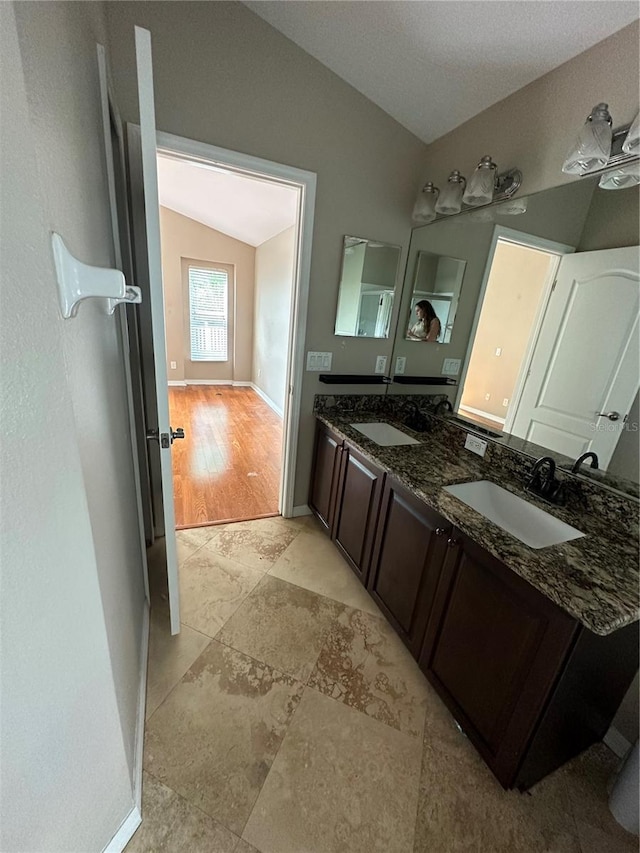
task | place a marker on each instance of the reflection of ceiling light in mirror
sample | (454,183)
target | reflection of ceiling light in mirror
(622,178)
(488,215)
(592,148)
(512,208)
(631,145)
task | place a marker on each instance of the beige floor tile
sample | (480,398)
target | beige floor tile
(253,546)
(588,778)
(463,808)
(274,525)
(283,625)
(215,736)
(364,664)
(212,588)
(341,783)
(169,656)
(170,824)
(313,562)
(189,541)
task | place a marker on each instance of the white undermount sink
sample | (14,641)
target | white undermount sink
(528,523)
(384,434)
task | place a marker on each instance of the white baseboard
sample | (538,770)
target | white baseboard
(300,510)
(482,414)
(617,742)
(134,818)
(266,399)
(179,382)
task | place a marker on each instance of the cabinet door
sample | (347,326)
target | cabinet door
(493,649)
(357,505)
(407,561)
(324,478)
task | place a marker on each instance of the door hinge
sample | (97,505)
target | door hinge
(553,286)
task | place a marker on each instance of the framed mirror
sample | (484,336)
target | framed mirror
(546,335)
(434,300)
(367,288)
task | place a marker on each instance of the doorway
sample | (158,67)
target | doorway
(230,256)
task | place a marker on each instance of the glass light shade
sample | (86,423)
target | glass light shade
(593,145)
(631,144)
(425,207)
(481,184)
(513,207)
(450,199)
(619,179)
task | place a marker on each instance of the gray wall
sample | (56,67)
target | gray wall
(271,314)
(224,76)
(72,593)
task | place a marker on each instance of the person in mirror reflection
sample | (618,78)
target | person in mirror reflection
(427,327)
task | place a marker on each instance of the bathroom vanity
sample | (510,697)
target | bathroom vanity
(530,648)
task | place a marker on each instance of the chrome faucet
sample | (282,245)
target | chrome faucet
(543,483)
(590,455)
(443,406)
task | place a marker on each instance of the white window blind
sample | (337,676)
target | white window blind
(208,314)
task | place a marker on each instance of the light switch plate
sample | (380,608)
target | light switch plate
(451,367)
(173,365)
(381,364)
(401,363)
(319,361)
(475,445)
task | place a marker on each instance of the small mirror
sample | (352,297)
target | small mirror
(434,300)
(367,288)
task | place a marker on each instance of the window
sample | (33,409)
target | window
(208,314)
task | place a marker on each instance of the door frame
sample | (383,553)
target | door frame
(305,182)
(531,241)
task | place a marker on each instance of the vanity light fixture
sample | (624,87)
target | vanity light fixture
(424,210)
(481,185)
(598,147)
(450,199)
(619,179)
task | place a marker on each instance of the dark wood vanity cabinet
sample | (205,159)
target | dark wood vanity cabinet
(324,475)
(527,683)
(409,549)
(357,501)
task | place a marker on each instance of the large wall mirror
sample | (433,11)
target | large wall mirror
(367,288)
(546,323)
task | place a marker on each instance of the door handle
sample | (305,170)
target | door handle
(613,416)
(177,433)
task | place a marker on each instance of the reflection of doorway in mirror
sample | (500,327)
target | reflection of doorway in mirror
(518,284)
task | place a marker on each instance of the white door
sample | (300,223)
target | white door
(144,192)
(584,373)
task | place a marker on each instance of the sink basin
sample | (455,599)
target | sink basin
(384,434)
(531,525)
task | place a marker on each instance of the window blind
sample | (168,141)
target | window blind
(208,314)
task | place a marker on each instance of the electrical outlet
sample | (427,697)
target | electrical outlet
(487,396)
(173,365)
(505,402)
(451,367)
(381,364)
(475,444)
(401,363)
(498,350)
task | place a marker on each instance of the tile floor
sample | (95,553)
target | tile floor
(287,717)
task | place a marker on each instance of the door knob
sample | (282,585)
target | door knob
(177,433)
(613,416)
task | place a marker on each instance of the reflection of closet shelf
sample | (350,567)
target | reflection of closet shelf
(424,380)
(353,379)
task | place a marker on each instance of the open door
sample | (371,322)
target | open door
(143,187)
(583,375)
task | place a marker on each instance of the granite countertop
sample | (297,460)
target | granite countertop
(595,578)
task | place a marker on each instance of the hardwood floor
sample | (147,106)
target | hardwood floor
(227,468)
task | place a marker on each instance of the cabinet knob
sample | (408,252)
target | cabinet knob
(451,542)
(440,531)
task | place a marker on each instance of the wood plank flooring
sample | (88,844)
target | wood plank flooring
(227,468)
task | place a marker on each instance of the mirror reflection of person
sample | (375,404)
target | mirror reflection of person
(427,328)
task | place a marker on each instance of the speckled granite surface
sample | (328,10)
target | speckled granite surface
(595,579)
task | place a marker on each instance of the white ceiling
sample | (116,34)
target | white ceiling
(248,209)
(434,64)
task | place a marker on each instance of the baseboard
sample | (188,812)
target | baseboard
(208,382)
(134,818)
(299,511)
(177,382)
(482,414)
(266,399)
(617,742)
